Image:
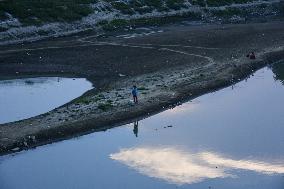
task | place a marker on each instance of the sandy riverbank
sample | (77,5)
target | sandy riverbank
(170,64)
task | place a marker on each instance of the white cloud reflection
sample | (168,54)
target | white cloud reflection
(184,108)
(179,167)
(251,165)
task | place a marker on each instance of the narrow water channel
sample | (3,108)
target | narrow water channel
(25,98)
(232,138)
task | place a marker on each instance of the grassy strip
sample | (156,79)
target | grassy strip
(122,7)
(42,11)
(38,12)
(146,6)
(228,12)
(217,3)
(260,11)
(175,4)
(156,21)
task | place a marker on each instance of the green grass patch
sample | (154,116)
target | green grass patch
(83,100)
(42,11)
(142,89)
(157,4)
(122,7)
(165,20)
(114,24)
(217,3)
(139,7)
(143,10)
(175,4)
(105,106)
(229,12)
(198,2)
(97,98)
(156,21)
(43,32)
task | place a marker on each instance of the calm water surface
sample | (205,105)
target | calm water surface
(24,98)
(232,138)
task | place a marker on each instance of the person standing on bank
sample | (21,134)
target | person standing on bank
(135,94)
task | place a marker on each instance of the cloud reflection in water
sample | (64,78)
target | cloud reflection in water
(179,167)
(185,108)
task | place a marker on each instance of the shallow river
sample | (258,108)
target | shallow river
(24,98)
(232,138)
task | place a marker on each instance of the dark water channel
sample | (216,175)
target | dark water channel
(24,98)
(233,138)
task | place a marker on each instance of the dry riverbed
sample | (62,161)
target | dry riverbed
(169,65)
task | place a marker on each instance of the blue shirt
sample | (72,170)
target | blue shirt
(134,91)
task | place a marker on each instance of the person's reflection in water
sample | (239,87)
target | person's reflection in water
(135,129)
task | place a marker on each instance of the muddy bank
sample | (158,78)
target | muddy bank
(171,65)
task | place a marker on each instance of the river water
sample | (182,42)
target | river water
(25,98)
(232,138)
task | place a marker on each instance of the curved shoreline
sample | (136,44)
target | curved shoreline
(162,89)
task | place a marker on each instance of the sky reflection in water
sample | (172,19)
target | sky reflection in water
(182,167)
(24,98)
(239,131)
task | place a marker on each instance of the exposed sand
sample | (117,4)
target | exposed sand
(171,64)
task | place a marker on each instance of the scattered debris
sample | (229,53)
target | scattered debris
(15,149)
(25,144)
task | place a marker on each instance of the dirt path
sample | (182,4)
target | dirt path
(169,67)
